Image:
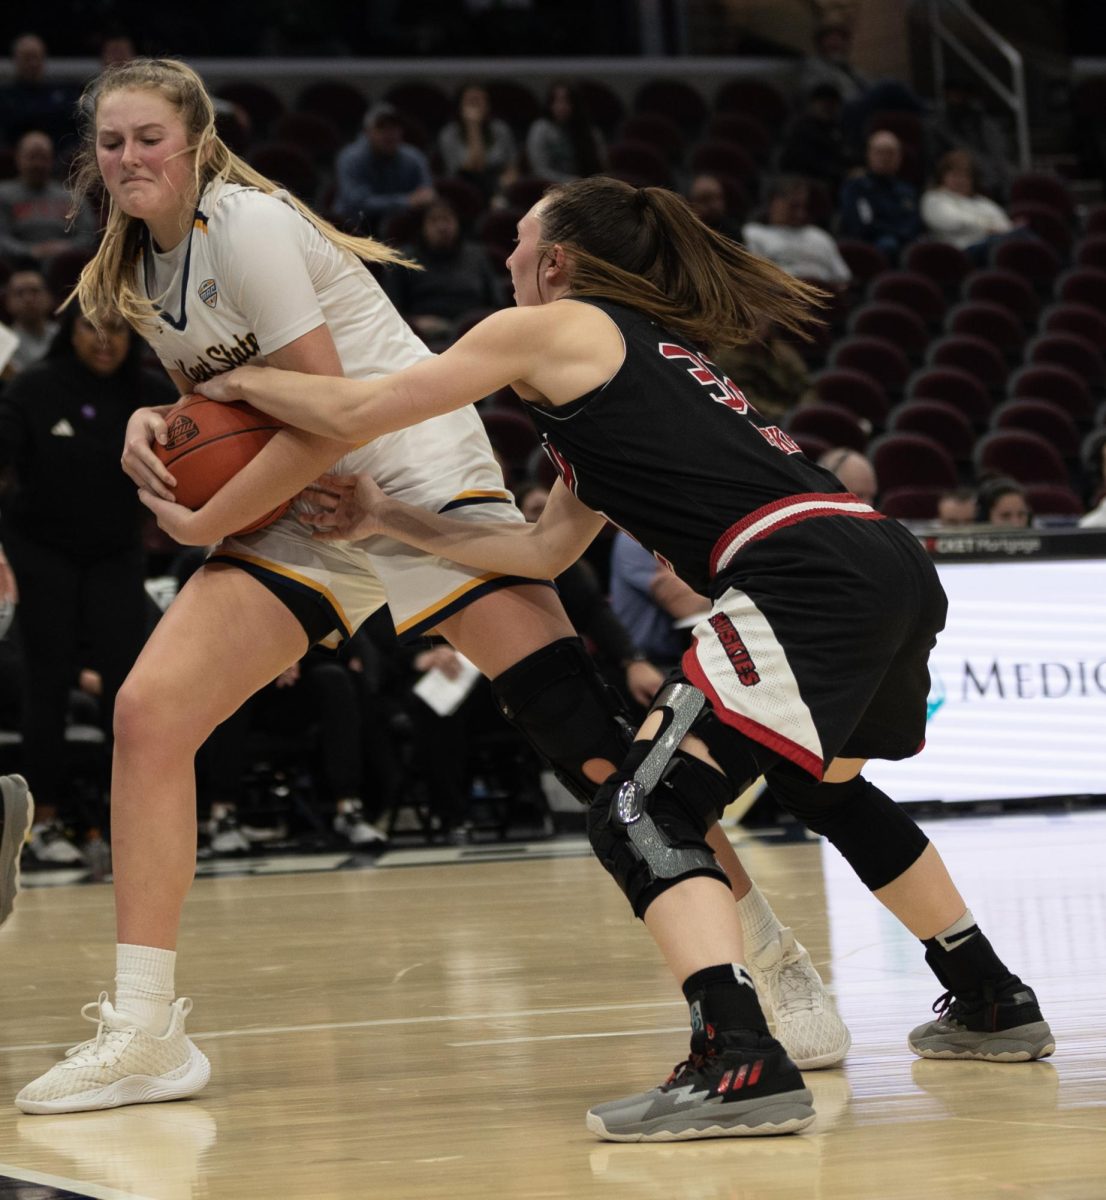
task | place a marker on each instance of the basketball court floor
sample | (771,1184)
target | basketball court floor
(437,1029)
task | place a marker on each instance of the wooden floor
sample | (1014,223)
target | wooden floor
(439,1031)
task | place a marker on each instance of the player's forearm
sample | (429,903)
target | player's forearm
(288,463)
(319,404)
(504,547)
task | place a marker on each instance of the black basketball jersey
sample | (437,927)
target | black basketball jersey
(672,452)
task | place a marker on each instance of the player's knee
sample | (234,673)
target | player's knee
(873,833)
(557,699)
(650,842)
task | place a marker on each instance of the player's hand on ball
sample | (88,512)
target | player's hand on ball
(180,523)
(350,507)
(145,428)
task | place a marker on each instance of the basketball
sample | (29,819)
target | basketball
(208,443)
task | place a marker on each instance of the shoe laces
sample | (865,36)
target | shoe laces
(90,1053)
(791,979)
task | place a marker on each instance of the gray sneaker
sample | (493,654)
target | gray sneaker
(729,1086)
(17,810)
(999,1023)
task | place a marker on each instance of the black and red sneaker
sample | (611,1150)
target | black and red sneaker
(736,1084)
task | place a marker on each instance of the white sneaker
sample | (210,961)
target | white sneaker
(17,811)
(51,845)
(350,824)
(122,1064)
(796,999)
(224,834)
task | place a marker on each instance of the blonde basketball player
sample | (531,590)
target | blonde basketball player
(215,266)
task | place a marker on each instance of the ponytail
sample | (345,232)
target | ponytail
(645,248)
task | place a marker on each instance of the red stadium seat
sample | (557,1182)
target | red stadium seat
(1087,322)
(754,97)
(467,199)
(1011,290)
(939,420)
(1042,188)
(1044,418)
(906,126)
(744,130)
(724,157)
(427,102)
(1053,500)
(972,354)
(512,434)
(1049,225)
(336,100)
(523,193)
(315,135)
(993,322)
(261,102)
(894,322)
(1091,252)
(856,391)
(1096,220)
(875,356)
(1023,456)
(639,163)
(604,105)
(673,98)
(1050,381)
(838,426)
(915,291)
(951,385)
(1034,259)
(864,260)
(1082,285)
(912,460)
(514,103)
(945,264)
(290,166)
(911,503)
(1069,350)
(656,130)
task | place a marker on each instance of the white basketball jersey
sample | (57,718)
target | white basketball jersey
(251,277)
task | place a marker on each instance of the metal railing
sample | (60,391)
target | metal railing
(941,36)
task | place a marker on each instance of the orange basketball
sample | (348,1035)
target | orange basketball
(209,443)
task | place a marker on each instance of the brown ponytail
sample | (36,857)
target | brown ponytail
(645,248)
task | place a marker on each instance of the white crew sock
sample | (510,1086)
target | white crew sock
(958,932)
(144,985)
(759,924)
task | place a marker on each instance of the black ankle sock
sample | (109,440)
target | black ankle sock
(967,965)
(722,998)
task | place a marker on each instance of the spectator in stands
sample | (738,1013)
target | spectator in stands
(877,206)
(30,101)
(562,143)
(1002,501)
(707,196)
(650,600)
(72,532)
(955,211)
(832,63)
(957,506)
(964,124)
(29,305)
(379,174)
(116,47)
(456,278)
(34,207)
(788,238)
(477,146)
(854,471)
(814,144)
(769,371)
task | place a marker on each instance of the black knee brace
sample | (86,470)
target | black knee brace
(559,702)
(874,835)
(647,823)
